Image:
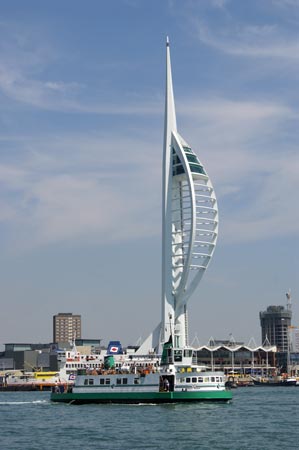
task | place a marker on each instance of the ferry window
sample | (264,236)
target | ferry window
(118,380)
(220,378)
(206,379)
(217,379)
(90,381)
(86,381)
(125,380)
(102,381)
(200,379)
(178,355)
(188,380)
(107,381)
(188,353)
(194,380)
(136,380)
(213,379)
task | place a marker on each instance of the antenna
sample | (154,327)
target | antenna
(289,300)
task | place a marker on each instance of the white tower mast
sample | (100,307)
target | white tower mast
(189,227)
(190,222)
(168,306)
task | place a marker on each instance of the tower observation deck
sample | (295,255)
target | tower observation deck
(189,226)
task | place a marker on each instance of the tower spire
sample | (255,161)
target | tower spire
(170,116)
(169,127)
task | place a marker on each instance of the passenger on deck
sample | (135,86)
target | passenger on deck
(166,385)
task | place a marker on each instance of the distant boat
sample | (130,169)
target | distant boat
(32,381)
(274,381)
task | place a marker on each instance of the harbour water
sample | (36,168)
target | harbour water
(258,418)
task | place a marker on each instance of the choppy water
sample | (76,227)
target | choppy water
(257,419)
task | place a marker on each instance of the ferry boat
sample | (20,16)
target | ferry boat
(33,381)
(177,379)
(70,362)
(275,381)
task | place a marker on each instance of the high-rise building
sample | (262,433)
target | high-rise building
(189,226)
(66,327)
(275,324)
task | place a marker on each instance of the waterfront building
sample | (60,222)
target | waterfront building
(66,327)
(88,346)
(28,357)
(238,358)
(275,327)
(189,227)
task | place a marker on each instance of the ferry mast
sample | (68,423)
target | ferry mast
(189,222)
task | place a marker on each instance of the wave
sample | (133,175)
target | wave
(24,402)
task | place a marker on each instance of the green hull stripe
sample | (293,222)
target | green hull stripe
(142,397)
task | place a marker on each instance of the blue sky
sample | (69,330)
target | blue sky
(81,132)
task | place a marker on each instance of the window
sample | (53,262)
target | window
(200,379)
(213,379)
(86,382)
(188,380)
(178,355)
(194,379)
(176,160)
(177,170)
(136,380)
(196,168)
(125,380)
(102,381)
(118,380)
(107,381)
(192,158)
(91,381)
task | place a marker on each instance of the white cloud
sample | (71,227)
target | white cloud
(221,109)
(62,96)
(250,41)
(71,189)
(84,194)
(252,167)
(286,3)
(24,62)
(272,210)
